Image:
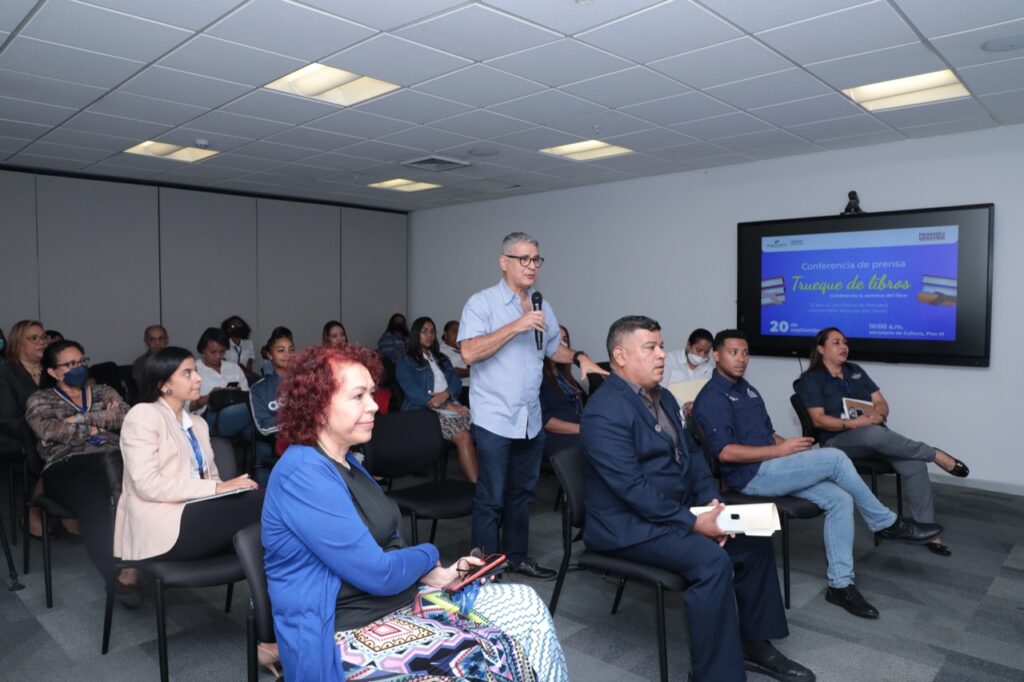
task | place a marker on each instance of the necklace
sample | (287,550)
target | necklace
(327,452)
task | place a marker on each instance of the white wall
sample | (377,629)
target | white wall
(666,247)
(373,272)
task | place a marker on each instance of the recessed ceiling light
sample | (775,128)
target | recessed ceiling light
(936,86)
(403,185)
(587,150)
(174,152)
(329,84)
(1004,44)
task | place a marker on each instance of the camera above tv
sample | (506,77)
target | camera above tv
(903,286)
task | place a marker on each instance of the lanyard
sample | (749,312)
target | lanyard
(570,391)
(84,408)
(196,450)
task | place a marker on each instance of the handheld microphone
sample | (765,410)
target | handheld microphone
(537,300)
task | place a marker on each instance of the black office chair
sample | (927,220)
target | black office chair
(789,506)
(12,582)
(259,624)
(14,462)
(872,467)
(223,569)
(568,465)
(404,443)
(50,509)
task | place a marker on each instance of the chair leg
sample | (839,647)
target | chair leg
(26,540)
(14,506)
(161,630)
(12,584)
(227,598)
(785,558)
(558,498)
(618,596)
(899,495)
(433,530)
(414,533)
(252,660)
(659,619)
(47,575)
(108,615)
(874,490)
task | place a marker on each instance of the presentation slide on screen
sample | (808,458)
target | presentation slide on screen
(883,284)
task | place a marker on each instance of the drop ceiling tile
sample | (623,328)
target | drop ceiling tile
(533,161)
(310,35)
(940,112)
(271,178)
(481,124)
(547,107)
(726,125)
(310,138)
(678,109)
(28,131)
(561,62)
(651,140)
(637,163)
(201,171)
(335,162)
(861,124)
(358,123)
(941,17)
(723,63)
(9,145)
(577,170)
(208,56)
(277,152)
(689,152)
(188,137)
(240,163)
(722,160)
(964,49)
(416,107)
(191,14)
(570,18)
(949,128)
(986,79)
(92,122)
(864,28)
(66,63)
(808,110)
(298,170)
(12,12)
(877,66)
(661,31)
(33,112)
(235,124)
(187,88)
(146,108)
(384,14)
(785,150)
(478,33)
(395,60)
(140,164)
(99,30)
(775,88)
(48,90)
(760,140)
(382,151)
(64,151)
(47,162)
(479,86)
(602,125)
(757,15)
(80,138)
(276,106)
(428,139)
(1007,107)
(862,140)
(631,86)
(492,152)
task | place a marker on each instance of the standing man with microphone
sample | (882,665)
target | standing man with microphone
(505,394)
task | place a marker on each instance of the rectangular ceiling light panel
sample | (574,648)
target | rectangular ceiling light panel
(925,88)
(328,84)
(587,150)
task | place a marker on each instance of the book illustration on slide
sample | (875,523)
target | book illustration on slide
(773,291)
(937,290)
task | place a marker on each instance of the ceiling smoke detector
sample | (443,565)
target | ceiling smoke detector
(435,163)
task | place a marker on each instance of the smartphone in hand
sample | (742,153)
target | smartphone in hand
(493,565)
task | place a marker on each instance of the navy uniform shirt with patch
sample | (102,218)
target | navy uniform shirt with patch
(729,414)
(818,388)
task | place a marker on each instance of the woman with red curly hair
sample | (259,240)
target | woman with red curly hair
(349,596)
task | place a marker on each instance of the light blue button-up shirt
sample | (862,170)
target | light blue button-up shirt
(504,396)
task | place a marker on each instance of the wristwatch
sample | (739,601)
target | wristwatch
(576,357)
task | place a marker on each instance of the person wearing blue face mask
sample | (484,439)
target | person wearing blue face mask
(76,426)
(3,344)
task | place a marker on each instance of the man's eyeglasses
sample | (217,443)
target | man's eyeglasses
(84,362)
(526,261)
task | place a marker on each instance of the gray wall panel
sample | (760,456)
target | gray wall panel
(99,282)
(373,271)
(19,265)
(208,261)
(299,248)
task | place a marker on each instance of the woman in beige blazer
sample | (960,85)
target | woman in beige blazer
(168,461)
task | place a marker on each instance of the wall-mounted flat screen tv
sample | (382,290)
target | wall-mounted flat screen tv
(904,286)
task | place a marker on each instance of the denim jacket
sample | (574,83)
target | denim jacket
(417,380)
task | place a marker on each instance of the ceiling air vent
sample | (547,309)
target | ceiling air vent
(435,163)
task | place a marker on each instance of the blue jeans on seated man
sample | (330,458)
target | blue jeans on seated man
(827,478)
(233,420)
(509,469)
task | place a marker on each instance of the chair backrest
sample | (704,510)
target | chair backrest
(249,548)
(594,381)
(695,429)
(806,425)
(131,391)
(568,466)
(404,442)
(224,456)
(108,374)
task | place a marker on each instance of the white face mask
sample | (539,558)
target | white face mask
(697,360)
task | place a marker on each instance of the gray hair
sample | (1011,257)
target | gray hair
(515,238)
(628,325)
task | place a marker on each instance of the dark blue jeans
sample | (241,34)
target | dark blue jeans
(509,468)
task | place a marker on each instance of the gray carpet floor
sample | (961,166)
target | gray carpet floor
(942,619)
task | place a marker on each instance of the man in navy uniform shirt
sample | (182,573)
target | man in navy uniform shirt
(757,461)
(640,482)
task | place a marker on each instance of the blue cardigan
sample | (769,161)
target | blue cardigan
(314,540)
(417,381)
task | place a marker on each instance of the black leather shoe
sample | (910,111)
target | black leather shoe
(910,531)
(959,469)
(938,548)
(530,569)
(762,657)
(852,600)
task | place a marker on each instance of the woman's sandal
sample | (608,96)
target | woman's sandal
(269,659)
